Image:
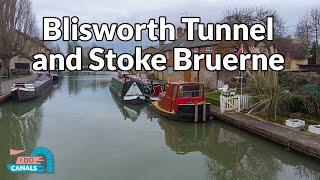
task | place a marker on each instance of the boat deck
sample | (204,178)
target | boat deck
(6,86)
(157,106)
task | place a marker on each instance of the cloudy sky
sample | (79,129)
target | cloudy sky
(141,10)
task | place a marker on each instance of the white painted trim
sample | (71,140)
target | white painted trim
(128,98)
(31,89)
(134,90)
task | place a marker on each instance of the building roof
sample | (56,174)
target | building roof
(183,42)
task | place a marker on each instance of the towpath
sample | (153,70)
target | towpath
(6,86)
(294,139)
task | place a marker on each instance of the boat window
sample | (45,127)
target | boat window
(189,91)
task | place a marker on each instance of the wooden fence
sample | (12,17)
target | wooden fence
(234,102)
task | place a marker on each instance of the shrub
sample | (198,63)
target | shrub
(311,89)
(293,103)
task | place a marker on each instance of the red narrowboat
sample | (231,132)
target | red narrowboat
(183,101)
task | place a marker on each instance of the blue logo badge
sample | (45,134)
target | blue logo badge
(40,161)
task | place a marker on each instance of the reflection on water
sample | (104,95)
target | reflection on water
(129,111)
(145,146)
(87,80)
(20,126)
(232,153)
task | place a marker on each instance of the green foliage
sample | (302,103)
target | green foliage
(291,81)
(303,128)
(213,96)
(293,103)
(267,92)
(311,89)
(304,93)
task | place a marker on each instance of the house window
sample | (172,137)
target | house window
(22,66)
(208,49)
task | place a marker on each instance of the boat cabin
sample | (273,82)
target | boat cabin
(179,93)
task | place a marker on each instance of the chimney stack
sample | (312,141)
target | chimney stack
(179,32)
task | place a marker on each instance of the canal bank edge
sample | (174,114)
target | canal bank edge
(301,142)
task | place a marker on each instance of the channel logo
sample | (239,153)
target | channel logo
(40,161)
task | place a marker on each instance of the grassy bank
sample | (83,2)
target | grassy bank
(213,97)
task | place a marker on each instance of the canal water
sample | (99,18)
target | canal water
(93,136)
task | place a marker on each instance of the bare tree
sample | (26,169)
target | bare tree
(17,26)
(254,15)
(308,30)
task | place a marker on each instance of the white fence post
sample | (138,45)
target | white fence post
(221,104)
(234,103)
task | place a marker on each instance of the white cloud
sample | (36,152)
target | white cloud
(141,10)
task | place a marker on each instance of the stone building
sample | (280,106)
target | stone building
(21,62)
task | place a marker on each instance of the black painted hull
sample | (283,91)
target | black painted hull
(121,98)
(185,113)
(55,77)
(21,95)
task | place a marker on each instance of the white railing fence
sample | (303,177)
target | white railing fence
(234,102)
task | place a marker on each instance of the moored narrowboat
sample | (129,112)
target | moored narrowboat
(31,89)
(55,75)
(183,101)
(127,89)
(151,88)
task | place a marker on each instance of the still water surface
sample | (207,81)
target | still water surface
(92,136)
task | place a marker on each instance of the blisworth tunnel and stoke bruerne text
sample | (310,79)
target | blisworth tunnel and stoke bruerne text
(183,59)
(70,29)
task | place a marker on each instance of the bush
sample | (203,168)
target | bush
(311,89)
(293,103)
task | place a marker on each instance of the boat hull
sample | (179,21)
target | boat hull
(124,94)
(55,77)
(23,94)
(185,112)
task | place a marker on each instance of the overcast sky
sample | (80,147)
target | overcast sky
(134,10)
(140,11)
